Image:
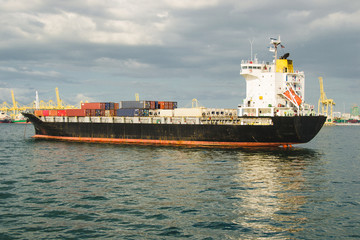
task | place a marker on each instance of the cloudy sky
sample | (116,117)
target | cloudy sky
(108,50)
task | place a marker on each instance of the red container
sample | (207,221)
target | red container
(39,113)
(45,113)
(94,106)
(116,106)
(61,113)
(161,105)
(152,104)
(76,112)
(53,113)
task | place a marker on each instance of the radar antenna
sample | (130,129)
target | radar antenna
(275,43)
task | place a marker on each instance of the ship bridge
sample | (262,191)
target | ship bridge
(254,67)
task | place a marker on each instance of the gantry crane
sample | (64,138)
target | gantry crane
(325,104)
(16,108)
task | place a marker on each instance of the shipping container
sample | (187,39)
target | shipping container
(109,113)
(165,113)
(143,112)
(161,105)
(76,112)
(147,104)
(99,112)
(53,113)
(96,105)
(133,104)
(45,113)
(127,112)
(39,113)
(61,113)
(189,112)
(109,106)
(116,106)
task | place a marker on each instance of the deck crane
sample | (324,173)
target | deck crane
(325,104)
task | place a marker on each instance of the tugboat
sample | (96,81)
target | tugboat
(274,113)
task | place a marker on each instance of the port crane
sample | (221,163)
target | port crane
(325,104)
(15,109)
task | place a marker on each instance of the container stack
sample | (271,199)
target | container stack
(106,109)
(142,108)
(59,113)
(100,109)
(110,109)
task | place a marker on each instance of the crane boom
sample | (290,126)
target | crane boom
(59,102)
(13,100)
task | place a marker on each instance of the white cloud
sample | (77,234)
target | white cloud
(26,71)
(19,5)
(127,64)
(191,4)
(337,21)
(81,97)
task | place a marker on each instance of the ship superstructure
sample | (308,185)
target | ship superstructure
(273,89)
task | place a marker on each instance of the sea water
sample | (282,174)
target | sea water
(67,190)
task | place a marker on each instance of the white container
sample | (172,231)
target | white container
(165,112)
(189,112)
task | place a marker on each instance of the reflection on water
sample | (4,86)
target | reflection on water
(274,186)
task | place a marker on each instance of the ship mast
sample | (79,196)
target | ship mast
(275,43)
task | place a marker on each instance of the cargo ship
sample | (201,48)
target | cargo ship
(273,113)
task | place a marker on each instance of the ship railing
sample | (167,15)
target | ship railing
(217,120)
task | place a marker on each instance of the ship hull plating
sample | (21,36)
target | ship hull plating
(283,131)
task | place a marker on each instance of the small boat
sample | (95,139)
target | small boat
(5,118)
(20,119)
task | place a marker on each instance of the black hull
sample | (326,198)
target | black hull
(285,130)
